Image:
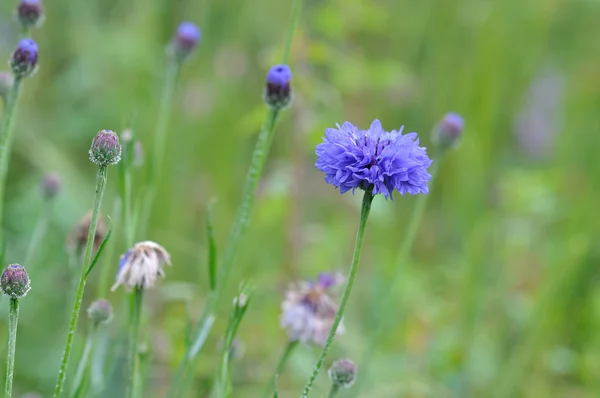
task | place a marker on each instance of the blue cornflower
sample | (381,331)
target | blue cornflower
(373,159)
(277,89)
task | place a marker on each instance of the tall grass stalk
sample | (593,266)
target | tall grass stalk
(364,215)
(62,373)
(13,320)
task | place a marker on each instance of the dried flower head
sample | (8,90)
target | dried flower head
(24,59)
(30,13)
(105,149)
(78,238)
(308,312)
(449,130)
(100,311)
(6,83)
(278,92)
(50,185)
(373,159)
(343,373)
(185,40)
(14,282)
(141,265)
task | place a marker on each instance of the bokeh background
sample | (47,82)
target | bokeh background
(500,296)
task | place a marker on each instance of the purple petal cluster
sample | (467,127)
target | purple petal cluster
(24,58)
(373,159)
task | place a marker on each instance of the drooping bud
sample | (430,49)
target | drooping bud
(24,59)
(343,373)
(105,149)
(14,282)
(100,311)
(50,185)
(448,131)
(185,40)
(278,92)
(6,83)
(30,13)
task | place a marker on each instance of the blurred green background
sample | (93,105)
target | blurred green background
(500,297)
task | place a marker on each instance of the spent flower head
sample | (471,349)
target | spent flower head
(50,185)
(185,40)
(141,265)
(278,92)
(78,238)
(308,312)
(100,311)
(30,13)
(342,373)
(24,59)
(14,282)
(105,149)
(373,159)
(448,131)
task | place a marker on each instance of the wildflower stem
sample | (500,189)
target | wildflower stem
(39,232)
(13,319)
(82,367)
(364,215)
(62,373)
(134,327)
(290,34)
(280,365)
(333,391)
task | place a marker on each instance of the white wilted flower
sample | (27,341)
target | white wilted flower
(141,265)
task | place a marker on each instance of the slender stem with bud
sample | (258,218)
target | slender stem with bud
(62,374)
(134,328)
(13,319)
(280,365)
(333,391)
(364,215)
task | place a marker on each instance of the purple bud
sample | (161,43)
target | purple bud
(343,373)
(14,282)
(6,83)
(100,311)
(24,59)
(105,149)
(448,131)
(185,40)
(50,185)
(277,93)
(30,13)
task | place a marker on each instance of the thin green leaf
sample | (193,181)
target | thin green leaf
(98,253)
(212,247)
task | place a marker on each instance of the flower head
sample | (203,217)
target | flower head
(50,185)
(343,373)
(141,265)
(309,312)
(100,311)
(78,238)
(374,160)
(30,13)
(14,282)
(448,131)
(105,149)
(185,40)
(24,59)
(278,93)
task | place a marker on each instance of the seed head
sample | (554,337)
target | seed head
(6,83)
(100,311)
(278,94)
(14,281)
(343,373)
(50,185)
(105,149)
(24,59)
(448,131)
(30,13)
(185,40)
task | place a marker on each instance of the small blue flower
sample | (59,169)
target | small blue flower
(278,91)
(373,159)
(24,59)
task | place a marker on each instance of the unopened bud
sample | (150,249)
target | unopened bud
(278,92)
(185,40)
(50,185)
(105,149)
(449,130)
(343,373)
(24,59)
(14,282)
(30,13)
(100,311)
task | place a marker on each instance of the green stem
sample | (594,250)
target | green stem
(134,330)
(290,34)
(364,215)
(280,365)
(39,232)
(83,365)
(13,319)
(333,391)
(62,374)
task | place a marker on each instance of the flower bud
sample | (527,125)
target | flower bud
(30,13)
(14,282)
(100,311)
(50,185)
(6,83)
(185,40)
(78,238)
(277,92)
(448,131)
(24,58)
(105,149)
(343,373)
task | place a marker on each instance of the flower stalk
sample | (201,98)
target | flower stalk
(13,319)
(287,353)
(136,300)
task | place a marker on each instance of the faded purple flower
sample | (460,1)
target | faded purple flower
(185,40)
(30,13)
(373,159)
(308,312)
(141,265)
(278,90)
(24,59)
